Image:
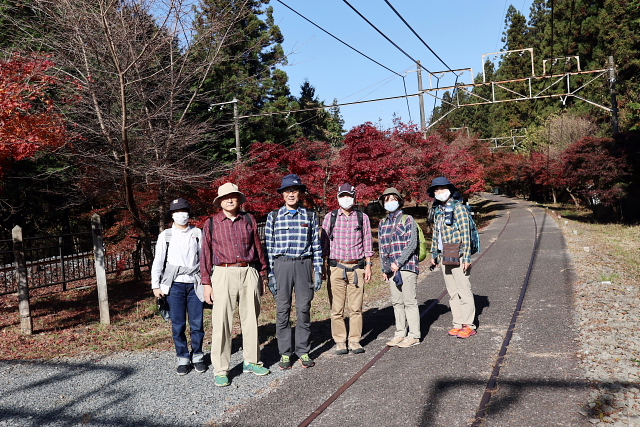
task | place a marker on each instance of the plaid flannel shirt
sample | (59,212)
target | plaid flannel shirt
(394,237)
(457,232)
(348,242)
(296,235)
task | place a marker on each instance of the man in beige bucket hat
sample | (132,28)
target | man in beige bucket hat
(233,267)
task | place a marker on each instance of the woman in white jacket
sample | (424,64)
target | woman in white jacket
(176,274)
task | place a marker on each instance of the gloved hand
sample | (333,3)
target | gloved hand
(317,284)
(273,287)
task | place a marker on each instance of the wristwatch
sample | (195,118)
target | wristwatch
(368,263)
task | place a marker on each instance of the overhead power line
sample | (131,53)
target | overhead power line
(344,43)
(385,36)
(416,34)
(272,113)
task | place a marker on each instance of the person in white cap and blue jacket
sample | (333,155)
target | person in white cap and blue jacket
(175,273)
(451,225)
(295,265)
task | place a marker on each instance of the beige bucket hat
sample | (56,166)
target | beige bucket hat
(226,189)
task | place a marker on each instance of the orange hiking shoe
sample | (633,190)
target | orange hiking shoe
(466,332)
(454,332)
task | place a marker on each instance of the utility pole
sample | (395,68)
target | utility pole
(423,120)
(235,122)
(614,101)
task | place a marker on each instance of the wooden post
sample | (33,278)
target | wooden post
(26,323)
(101,273)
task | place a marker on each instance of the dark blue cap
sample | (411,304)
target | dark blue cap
(292,180)
(438,182)
(178,204)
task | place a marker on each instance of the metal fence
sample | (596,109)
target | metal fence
(65,260)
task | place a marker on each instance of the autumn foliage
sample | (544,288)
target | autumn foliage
(29,121)
(372,159)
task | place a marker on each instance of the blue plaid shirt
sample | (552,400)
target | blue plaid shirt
(397,244)
(293,235)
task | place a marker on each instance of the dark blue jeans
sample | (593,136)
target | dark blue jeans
(182,299)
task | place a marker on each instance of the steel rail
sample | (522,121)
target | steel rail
(492,384)
(382,352)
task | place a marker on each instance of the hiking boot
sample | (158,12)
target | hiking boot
(454,332)
(409,342)
(256,368)
(356,348)
(200,367)
(341,348)
(466,332)
(183,369)
(395,341)
(307,361)
(285,362)
(221,381)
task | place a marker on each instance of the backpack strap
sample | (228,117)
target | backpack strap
(334,216)
(332,223)
(167,238)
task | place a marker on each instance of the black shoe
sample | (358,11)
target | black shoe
(183,369)
(200,367)
(285,362)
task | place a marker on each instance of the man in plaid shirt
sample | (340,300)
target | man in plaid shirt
(398,240)
(451,225)
(347,244)
(233,265)
(295,259)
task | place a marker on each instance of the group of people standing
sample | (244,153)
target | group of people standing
(226,265)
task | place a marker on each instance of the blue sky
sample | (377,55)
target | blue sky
(458,31)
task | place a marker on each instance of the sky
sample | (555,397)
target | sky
(458,31)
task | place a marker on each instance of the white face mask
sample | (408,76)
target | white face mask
(180,218)
(443,196)
(392,206)
(346,202)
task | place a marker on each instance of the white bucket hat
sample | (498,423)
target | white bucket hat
(226,189)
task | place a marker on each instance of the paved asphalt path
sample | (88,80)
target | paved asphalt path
(441,381)
(437,383)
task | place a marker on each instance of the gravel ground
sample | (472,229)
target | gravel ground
(129,389)
(607,301)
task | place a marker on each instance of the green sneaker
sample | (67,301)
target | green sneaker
(285,362)
(221,381)
(307,361)
(256,368)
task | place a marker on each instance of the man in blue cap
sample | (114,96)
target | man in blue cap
(295,264)
(451,227)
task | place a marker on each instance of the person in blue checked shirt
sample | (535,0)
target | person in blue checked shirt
(295,265)
(398,242)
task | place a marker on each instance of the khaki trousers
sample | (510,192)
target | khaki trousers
(234,287)
(463,307)
(405,305)
(344,291)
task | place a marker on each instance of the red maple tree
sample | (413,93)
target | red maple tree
(29,121)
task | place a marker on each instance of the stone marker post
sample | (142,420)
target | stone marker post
(26,323)
(101,273)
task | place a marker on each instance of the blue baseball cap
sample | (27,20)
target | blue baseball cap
(292,180)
